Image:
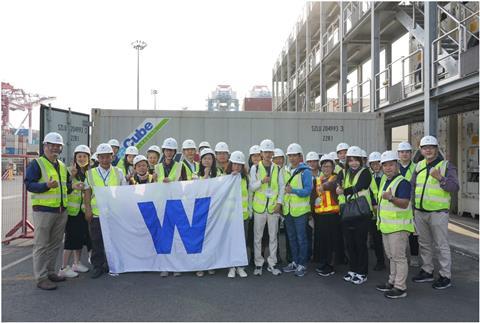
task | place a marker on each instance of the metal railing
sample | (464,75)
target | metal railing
(331,106)
(364,97)
(331,37)
(301,72)
(352,13)
(437,56)
(412,80)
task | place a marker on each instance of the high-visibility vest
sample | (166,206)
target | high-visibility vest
(429,196)
(133,180)
(293,204)
(338,168)
(95,180)
(188,171)
(54,196)
(325,203)
(262,203)
(347,184)
(174,174)
(391,218)
(75,200)
(410,170)
(244,198)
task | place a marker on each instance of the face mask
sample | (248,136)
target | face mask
(83,164)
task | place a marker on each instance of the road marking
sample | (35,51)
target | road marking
(464,225)
(462,231)
(16,262)
(11,197)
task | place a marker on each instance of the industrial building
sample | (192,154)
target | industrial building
(348,57)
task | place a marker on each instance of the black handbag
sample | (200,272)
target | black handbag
(355,208)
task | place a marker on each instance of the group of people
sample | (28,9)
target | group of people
(331,205)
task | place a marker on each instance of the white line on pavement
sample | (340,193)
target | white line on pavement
(16,262)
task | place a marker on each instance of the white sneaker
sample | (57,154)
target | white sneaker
(199,273)
(211,272)
(176,274)
(349,276)
(67,272)
(359,279)
(80,268)
(241,272)
(231,273)
(164,274)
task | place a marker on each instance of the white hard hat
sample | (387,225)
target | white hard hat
(364,154)
(206,151)
(374,157)
(333,155)
(388,156)
(294,148)
(267,145)
(53,138)
(114,143)
(221,147)
(404,146)
(278,153)
(342,146)
(104,149)
(139,158)
(354,151)
(131,150)
(255,149)
(82,149)
(204,144)
(237,157)
(312,156)
(170,143)
(94,157)
(428,141)
(327,157)
(154,148)
(189,144)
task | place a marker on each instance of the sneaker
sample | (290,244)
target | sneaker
(231,272)
(67,272)
(442,283)
(319,269)
(274,270)
(423,277)
(379,266)
(290,268)
(55,278)
(301,270)
(257,271)
(164,274)
(359,279)
(241,272)
(384,287)
(326,271)
(415,261)
(199,273)
(176,274)
(46,284)
(80,268)
(395,293)
(211,272)
(349,276)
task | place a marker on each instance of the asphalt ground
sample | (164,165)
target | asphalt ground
(148,297)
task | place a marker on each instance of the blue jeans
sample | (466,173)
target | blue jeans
(297,236)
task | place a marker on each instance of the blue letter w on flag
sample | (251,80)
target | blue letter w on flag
(175,216)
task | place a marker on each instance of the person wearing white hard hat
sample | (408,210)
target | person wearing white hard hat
(407,168)
(326,217)
(153,157)
(279,157)
(365,157)
(190,167)
(103,175)
(377,174)
(313,161)
(126,163)
(341,156)
(254,156)
(48,180)
(222,153)
(115,146)
(94,160)
(395,221)
(76,230)
(267,189)
(168,170)
(353,183)
(236,166)
(203,144)
(296,208)
(434,180)
(141,174)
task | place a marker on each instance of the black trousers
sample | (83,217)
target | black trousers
(309,232)
(356,232)
(325,238)
(413,242)
(377,242)
(340,258)
(98,258)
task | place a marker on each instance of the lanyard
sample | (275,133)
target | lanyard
(104,179)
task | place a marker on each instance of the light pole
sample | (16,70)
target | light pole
(138,45)
(154,93)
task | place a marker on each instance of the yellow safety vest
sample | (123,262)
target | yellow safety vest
(338,168)
(325,203)
(133,181)
(293,204)
(347,184)
(188,171)
(172,176)
(245,198)
(54,196)
(429,196)
(262,203)
(75,201)
(95,180)
(391,218)
(410,171)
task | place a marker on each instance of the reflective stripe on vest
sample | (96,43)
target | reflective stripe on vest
(292,203)
(410,170)
(262,203)
(338,168)
(174,174)
(347,184)
(391,218)
(133,181)
(325,203)
(54,196)
(96,180)
(244,199)
(429,196)
(75,201)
